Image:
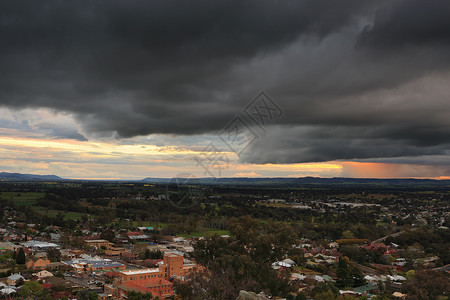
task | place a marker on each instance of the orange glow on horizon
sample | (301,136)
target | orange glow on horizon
(96,160)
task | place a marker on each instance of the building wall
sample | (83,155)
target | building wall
(144,275)
(161,288)
(38,264)
(98,244)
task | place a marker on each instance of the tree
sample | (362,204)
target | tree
(427,285)
(343,274)
(132,295)
(301,296)
(54,255)
(328,295)
(348,276)
(30,288)
(20,257)
(243,261)
(410,274)
(356,276)
(148,254)
(83,295)
(93,296)
(108,234)
(347,234)
(183,290)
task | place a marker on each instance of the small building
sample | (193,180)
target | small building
(55,237)
(39,246)
(90,264)
(9,246)
(157,287)
(98,244)
(8,290)
(13,279)
(43,274)
(367,289)
(35,262)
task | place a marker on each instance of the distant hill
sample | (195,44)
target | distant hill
(308,181)
(27,177)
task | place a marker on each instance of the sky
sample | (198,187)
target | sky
(113,89)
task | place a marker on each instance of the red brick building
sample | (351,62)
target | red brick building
(152,280)
(157,287)
(34,262)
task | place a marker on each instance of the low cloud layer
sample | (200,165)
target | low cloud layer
(358,80)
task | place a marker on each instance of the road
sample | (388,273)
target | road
(83,282)
(391,235)
(366,270)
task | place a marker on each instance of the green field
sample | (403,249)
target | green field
(206,232)
(149,224)
(68,215)
(23,198)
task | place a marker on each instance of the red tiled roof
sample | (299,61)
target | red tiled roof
(146,285)
(112,274)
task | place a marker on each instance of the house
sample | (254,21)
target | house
(42,274)
(317,250)
(396,278)
(67,254)
(8,290)
(9,246)
(399,295)
(88,264)
(367,289)
(98,244)
(34,262)
(13,279)
(135,235)
(145,228)
(286,263)
(297,276)
(55,237)
(333,245)
(39,246)
(113,251)
(374,246)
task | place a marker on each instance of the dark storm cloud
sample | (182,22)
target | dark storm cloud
(375,71)
(140,67)
(324,143)
(409,23)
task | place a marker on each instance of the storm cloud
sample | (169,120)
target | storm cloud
(357,79)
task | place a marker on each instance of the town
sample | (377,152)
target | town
(94,240)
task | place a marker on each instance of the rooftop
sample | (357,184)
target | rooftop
(140,271)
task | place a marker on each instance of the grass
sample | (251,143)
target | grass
(149,224)
(275,205)
(211,231)
(68,215)
(29,199)
(22,199)
(205,232)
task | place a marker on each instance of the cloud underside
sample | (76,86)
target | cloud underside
(357,80)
